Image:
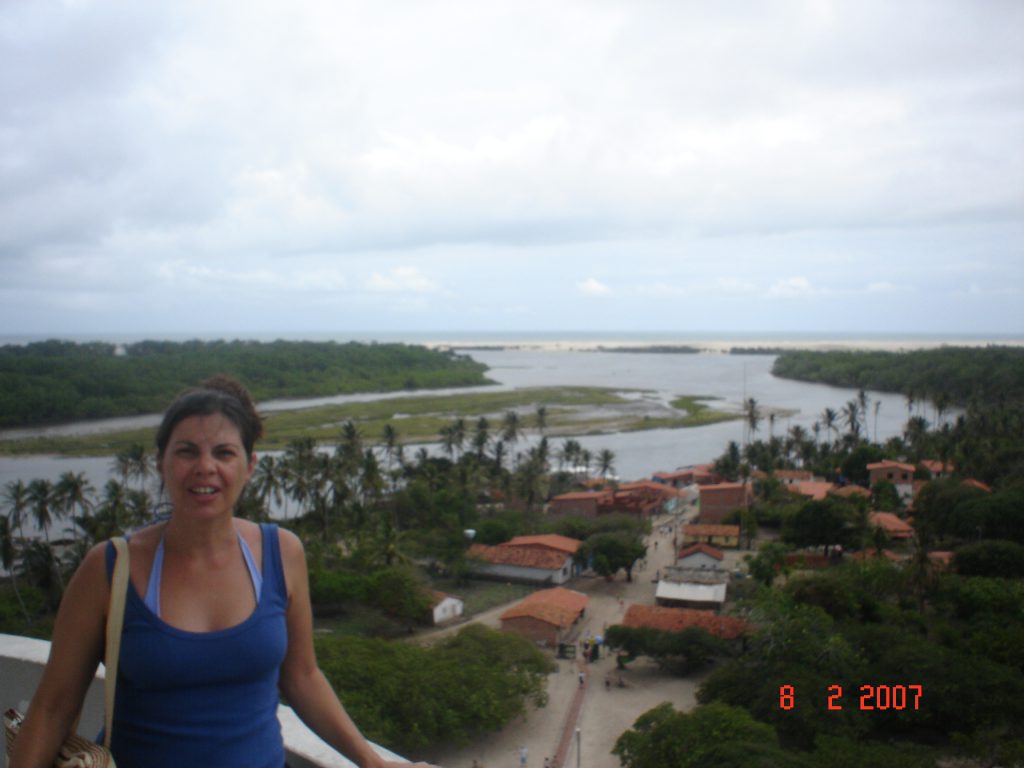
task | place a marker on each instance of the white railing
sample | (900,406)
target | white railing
(21,664)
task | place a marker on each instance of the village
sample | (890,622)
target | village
(696,561)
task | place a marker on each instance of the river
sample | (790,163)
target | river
(731,378)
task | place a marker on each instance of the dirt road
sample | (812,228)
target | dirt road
(604,712)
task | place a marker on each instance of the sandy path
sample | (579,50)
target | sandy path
(606,712)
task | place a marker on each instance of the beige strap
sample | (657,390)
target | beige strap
(115,621)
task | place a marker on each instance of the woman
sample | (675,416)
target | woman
(217,621)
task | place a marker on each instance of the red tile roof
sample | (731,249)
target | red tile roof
(522,557)
(548,541)
(711,530)
(581,496)
(707,549)
(978,484)
(891,524)
(940,558)
(936,467)
(677,619)
(848,491)
(871,554)
(794,474)
(816,490)
(557,606)
(889,464)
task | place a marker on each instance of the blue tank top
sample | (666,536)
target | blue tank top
(203,699)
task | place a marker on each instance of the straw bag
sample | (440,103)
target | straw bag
(78,752)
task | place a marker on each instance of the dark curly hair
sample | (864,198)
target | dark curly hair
(218,394)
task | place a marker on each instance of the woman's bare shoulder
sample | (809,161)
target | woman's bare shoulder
(291,545)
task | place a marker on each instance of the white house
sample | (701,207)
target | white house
(446,607)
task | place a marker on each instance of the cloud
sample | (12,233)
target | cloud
(321,149)
(593,287)
(883,286)
(401,280)
(791,288)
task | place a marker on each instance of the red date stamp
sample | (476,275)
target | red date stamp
(871,697)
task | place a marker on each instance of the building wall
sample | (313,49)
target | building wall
(448,610)
(699,560)
(528,575)
(581,507)
(533,629)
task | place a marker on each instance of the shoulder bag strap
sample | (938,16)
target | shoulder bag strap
(115,621)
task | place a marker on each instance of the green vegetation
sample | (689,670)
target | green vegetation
(946,376)
(421,418)
(920,663)
(56,381)
(408,697)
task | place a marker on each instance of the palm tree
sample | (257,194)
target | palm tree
(448,441)
(862,401)
(753,417)
(570,454)
(300,460)
(350,449)
(482,436)
(829,418)
(9,557)
(16,500)
(606,462)
(511,429)
(72,493)
(391,444)
(266,482)
(40,496)
(459,433)
(851,417)
(112,511)
(542,418)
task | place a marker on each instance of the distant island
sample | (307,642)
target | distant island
(949,375)
(53,382)
(656,349)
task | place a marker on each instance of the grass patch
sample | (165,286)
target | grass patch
(481,595)
(419,419)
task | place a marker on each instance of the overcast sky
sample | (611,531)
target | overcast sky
(205,167)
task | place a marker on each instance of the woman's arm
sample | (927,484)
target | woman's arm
(75,652)
(304,685)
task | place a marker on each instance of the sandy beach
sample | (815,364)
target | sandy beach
(606,712)
(722,346)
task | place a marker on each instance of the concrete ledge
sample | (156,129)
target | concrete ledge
(21,665)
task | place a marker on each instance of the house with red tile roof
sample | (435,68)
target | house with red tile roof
(898,473)
(643,499)
(938,469)
(793,476)
(544,559)
(894,527)
(815,490)
(717,501)
(577,504)
(547,616)
(700,555)
(547,541)
(873,554)
(850,492)
(669,619)
(717,535)
(978,484)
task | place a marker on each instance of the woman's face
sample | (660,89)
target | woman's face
(205,466)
